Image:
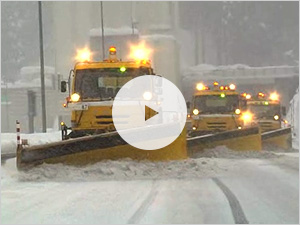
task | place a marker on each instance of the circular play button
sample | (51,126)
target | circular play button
(149,112)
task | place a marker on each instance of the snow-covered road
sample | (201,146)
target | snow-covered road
(244,190)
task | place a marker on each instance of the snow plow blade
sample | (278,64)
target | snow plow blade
(91,149)
(281,138)
(241,140)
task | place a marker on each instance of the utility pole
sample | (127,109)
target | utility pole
(196,32)
(132,20)
(102,28)
(31,110)
(44,124)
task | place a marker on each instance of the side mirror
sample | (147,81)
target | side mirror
(188,105)
(110,92)
(283,110)
(63,86)
(243,104)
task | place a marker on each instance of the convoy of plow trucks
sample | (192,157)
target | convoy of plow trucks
(220,115)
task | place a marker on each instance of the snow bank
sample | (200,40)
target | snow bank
(125,169)
(9,140)
(224,152)
(112,31)
(293,118)
(209,163)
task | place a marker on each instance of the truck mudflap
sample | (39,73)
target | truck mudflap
(280,138)
(247,139)
(94,148)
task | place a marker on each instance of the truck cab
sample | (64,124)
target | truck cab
(217,108)
(267,110)
(92,89)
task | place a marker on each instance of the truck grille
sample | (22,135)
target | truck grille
(103,116)
(216,125)
(104,119)
(266,126)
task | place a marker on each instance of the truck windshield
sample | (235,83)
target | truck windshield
(104,83)
(264,111)
(216,104)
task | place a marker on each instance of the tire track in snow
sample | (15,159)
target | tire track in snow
(140,212)
(236,209)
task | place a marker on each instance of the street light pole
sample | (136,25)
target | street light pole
(132,21)
(44,124)
(102,28)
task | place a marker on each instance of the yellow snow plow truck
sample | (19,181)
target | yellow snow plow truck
(269,115)
(92,136)
(219,117)
(218,108)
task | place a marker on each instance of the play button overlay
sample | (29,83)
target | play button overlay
(149,112)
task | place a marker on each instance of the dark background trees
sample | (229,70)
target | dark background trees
(252,33)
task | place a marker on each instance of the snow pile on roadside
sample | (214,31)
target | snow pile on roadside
(205,165)
(9,140)
(224,152)
(293,117)
(125,169)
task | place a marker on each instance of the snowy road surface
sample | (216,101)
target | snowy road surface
(210,190)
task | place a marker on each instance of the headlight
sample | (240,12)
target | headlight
(75,97)
(276,117)
(200,87)
(195,111)
(147,95)
(232,87)
(274,96)
(84,55)
(247,116)
(237,111)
